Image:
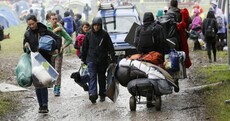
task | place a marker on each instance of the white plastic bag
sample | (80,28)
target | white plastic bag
(42,71)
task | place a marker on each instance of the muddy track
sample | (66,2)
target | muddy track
(73,104)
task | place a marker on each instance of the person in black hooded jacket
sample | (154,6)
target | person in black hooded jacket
(96,47)
(173,9)
(210,20)
(31,37)
(149,36)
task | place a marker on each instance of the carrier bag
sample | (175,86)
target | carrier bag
(172,65)
(112,84)
(43,73)
(81,77)
(24,71)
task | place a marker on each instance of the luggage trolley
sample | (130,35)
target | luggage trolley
(152,88)
(144,87)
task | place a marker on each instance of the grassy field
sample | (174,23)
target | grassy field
(214,97)
(11,48)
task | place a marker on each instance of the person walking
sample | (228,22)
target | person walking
(209,30)
(69,26)
(174,10)
(78,23)
(2,35)
(85,27)
(57,59)
(86,10)
(31,37)
(59,16)
(42,13)
(221,23)
(96,49)
(196,29)
(149,37)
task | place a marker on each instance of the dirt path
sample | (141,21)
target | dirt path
(73,104)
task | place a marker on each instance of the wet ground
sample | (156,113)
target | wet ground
(74,105)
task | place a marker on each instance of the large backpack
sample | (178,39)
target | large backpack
(169,25)
(69,25)
(146,42)
(219,22)
(210,31)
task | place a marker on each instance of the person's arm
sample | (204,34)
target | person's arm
(25,40)
(85,47)
(56,37)
(7,36)
(137,36)
(203,27)
(110,47)
(67,38)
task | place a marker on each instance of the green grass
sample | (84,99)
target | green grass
(13,46)
(6,103)
(215,96)
(216,73)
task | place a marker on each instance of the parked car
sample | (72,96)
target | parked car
(117,21)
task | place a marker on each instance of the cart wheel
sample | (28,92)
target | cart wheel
(158,103)
(132,103)
(149,102)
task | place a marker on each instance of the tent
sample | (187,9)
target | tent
(4,21)
(22,5)
(57,7)
(8,16)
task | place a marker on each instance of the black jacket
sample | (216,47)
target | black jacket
(158,35)
(210,17)
(176,12)
(31,36)
(97,46)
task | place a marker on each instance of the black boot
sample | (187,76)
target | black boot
(214,54)
(209,57)
(177,89)
(93,98)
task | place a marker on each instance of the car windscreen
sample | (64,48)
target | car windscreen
(120,25)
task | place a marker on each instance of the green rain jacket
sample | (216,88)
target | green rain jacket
(61,33)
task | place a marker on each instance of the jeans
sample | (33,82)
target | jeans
(42,96)
(97,73)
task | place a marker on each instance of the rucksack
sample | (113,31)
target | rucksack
(210,31)
(1,32)
(146,42)
(169,24)
(219,22)
(68,25)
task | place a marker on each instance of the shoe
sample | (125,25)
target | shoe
(102,98)
(56,90)
(43,109)
(214,59)
(176,89)
(93,98)
(40,109)
(210,61)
